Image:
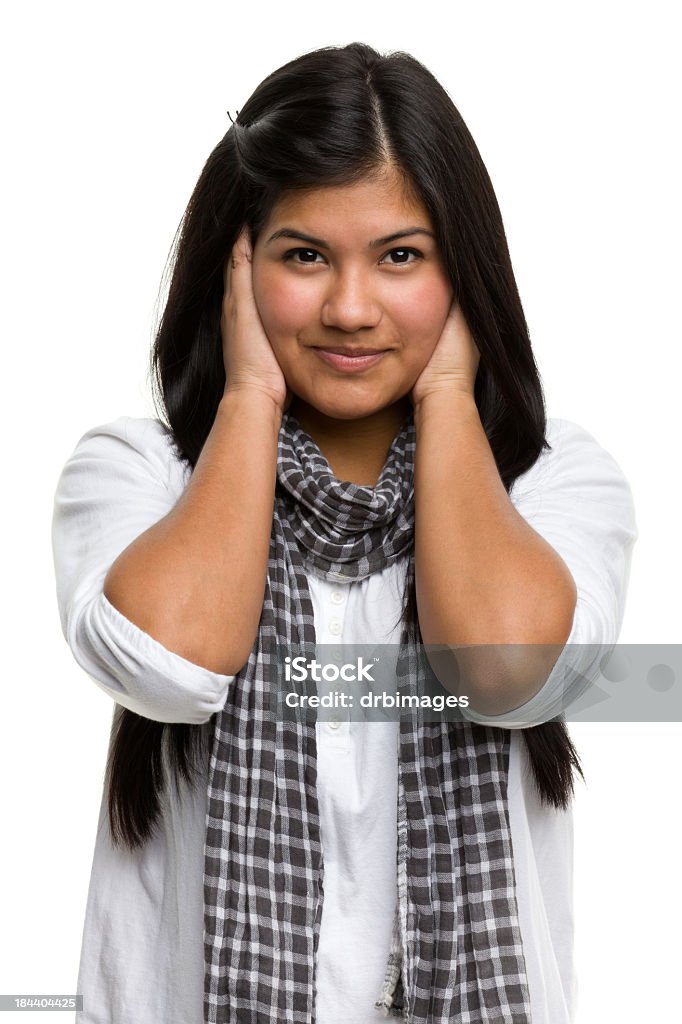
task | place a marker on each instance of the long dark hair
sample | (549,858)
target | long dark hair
(331,117)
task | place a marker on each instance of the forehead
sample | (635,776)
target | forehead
(373,206)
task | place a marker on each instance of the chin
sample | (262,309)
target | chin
(347,410)
(350,408)
(349,400)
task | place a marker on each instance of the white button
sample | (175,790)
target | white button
(336,653)
(334,725)
(335,627)
(337,596)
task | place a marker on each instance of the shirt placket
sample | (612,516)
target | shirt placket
(336,727)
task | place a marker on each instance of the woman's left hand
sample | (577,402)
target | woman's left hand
(454,361)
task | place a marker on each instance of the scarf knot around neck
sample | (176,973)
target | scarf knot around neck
(343,529)
(456,950)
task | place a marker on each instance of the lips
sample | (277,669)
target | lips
(350,360)
(351,352)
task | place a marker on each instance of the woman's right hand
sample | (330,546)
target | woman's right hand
(247,353)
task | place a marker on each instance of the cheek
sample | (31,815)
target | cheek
(283,304)
(421,312)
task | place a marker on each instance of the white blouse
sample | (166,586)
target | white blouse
(142,946)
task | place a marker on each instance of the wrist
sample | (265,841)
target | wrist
(446,402)
(250,397)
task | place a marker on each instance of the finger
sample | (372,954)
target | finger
(239,254)
(240,269)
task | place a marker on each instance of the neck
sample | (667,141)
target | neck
(356,450)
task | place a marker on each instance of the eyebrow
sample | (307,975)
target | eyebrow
(321,244)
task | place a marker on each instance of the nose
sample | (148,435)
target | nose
(349,304)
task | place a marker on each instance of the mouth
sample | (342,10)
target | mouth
(345,350)
(351,359)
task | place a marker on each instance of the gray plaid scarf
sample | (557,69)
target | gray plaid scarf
(456,950)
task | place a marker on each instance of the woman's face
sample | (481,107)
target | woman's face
(351,267)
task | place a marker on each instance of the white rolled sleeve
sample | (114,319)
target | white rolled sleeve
(578,499)
(121,479)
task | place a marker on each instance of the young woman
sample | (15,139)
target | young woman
(353,449)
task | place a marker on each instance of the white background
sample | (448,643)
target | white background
(109,112)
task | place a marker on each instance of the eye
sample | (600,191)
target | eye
(396,257)
(307,256)
(403,256)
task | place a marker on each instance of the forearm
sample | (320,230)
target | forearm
(482,574)
(195,581)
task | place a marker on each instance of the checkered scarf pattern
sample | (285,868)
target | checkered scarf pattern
(456,950)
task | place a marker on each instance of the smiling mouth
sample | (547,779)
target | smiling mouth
(347,360)
(350,352)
